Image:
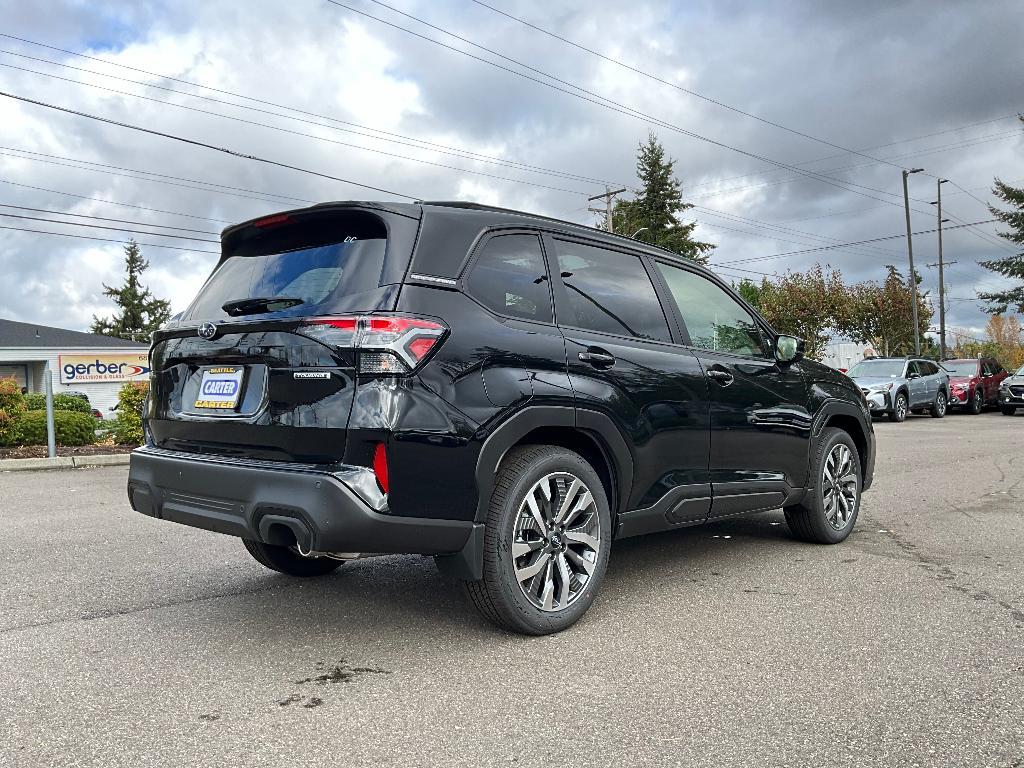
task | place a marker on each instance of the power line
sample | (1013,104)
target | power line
(204,145)
(667,82)
(108,240)
(162,178)
(295,133)
(100,226)
(839,245)
(597,99)
(109,202)
(390,136)
(106,218)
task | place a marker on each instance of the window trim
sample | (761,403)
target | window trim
(562,297)
(767,331)
(476,252)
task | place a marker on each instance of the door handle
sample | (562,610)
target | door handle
(720,375)
(597,358)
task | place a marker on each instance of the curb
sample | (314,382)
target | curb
(65,462)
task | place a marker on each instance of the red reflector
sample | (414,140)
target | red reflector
(271,221)
(420,347)
(380,466)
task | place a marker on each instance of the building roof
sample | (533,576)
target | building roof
(14,334)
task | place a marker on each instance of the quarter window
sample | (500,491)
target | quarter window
(713,318)
(609,292)
(510,278)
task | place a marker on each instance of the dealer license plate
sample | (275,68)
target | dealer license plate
(220,387)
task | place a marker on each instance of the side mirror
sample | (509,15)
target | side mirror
(788,349)
(913,375)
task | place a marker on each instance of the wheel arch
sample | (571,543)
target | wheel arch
(589,433)
(844,416)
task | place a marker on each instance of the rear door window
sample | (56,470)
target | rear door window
(509,277)
(609,292)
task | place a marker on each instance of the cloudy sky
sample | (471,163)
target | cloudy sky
(313,84)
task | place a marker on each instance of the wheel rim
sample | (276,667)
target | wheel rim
(977,401)
(940,403)
(901,407)
(556,541)
(839,487)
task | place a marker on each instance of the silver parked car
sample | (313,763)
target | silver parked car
(897,386)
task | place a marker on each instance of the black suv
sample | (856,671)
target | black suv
(505,392)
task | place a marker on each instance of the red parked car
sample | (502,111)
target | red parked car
(973,384)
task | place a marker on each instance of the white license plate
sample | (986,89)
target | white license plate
(220,388)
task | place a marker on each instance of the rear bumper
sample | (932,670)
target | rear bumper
(279,505)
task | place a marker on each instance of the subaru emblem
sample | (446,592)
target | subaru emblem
(207,330)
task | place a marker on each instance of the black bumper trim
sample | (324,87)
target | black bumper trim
(275,505)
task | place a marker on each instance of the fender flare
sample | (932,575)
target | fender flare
(834,407)
(595,424)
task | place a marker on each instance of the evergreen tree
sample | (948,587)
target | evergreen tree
(141,312)
(1009,266)
(652,215)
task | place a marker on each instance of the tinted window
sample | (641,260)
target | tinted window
(890,369)
(928,369)
(610,292)
(961,367)
(509,277)
(713,318)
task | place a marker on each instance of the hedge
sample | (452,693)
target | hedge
(71,428)
(130,401)
(62,401)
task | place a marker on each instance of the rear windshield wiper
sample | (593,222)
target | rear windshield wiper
(259,304)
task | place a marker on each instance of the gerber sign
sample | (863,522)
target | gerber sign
(75,369)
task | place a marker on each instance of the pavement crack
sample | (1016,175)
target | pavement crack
(107,613)
(940,571)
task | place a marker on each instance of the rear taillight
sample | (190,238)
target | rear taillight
(387,344)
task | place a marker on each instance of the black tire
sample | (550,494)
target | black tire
(810,520)
(287,560)
(939,405)
(498,596)
(899,412)
(1008,410)
(977,403)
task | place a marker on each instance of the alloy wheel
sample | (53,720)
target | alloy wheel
(940,404)
(555,541)
(901,407)
(839,487)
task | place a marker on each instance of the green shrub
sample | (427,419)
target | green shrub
(62,401)
(71,428)
(130,400)
(12,402)
(8,430)
(35,401)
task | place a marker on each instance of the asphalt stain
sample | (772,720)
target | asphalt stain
(341,673)
(209,718)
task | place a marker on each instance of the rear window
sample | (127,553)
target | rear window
(296,269)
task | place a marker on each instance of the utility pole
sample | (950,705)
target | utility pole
(942,283)
(912,279)
(608,196)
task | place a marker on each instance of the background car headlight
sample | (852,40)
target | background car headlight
(880,387)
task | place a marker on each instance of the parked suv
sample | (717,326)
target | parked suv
(974,383)
(1011,393)
(897,386)
(505,392)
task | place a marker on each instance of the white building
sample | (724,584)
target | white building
(97,366)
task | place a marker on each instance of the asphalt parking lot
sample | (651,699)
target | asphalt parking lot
(126,641)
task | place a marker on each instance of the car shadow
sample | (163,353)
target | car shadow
(390,597)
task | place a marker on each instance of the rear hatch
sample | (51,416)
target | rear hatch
(243,371)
